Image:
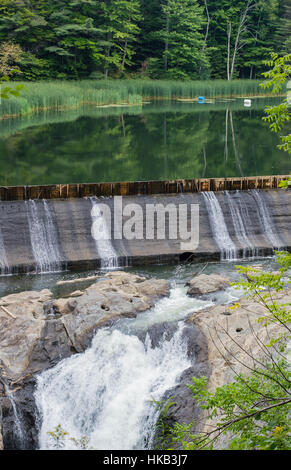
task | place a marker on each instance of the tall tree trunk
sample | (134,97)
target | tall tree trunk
(207,30)
(106,65)
(121,68)
(207,26)
(228,50)
(241,28)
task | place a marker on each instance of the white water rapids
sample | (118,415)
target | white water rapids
(106,393)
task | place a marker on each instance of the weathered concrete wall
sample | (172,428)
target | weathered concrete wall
(72,220)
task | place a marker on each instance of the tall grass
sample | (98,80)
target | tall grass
(11,126)
(177,89)
(40,96)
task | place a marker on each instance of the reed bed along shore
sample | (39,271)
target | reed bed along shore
(63,95)
(51,116)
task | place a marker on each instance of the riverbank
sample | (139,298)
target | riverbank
(38,97)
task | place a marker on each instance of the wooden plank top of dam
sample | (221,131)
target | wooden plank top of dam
(136,188)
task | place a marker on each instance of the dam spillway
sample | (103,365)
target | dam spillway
(56,234)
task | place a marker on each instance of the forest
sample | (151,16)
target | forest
(148,39)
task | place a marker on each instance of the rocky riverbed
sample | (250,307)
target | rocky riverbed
(46,330)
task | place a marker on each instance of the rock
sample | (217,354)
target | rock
(120,295)
(77,280)
(18,337)
(53,328)
(76,293)
(20,417)
(232,342)
(220,329)
(206,283)
(1,438)
(184,409)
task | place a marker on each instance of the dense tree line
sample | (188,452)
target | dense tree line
(177,39)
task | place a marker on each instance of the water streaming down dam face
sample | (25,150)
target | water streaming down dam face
(44,237)
(240,224)
(219,228)
(267,220)
(239,238)
(107,254)
(4,265)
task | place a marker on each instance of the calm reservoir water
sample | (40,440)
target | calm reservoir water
(161,140)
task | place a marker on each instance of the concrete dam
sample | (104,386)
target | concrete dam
(51,235)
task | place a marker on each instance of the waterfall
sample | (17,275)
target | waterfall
(107,254)
(266,219)
(4,265)
(248,223)
(240,226)
(44,237)
(218,227)
(106,393)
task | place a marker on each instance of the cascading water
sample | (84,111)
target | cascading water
(4,265)
(266,220)
(44,237)
(107,254)
(245,213)
(219,229)
(240,225)
(106,393)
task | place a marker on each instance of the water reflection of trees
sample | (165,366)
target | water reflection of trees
(163,145)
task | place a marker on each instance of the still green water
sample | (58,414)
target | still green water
(161,140)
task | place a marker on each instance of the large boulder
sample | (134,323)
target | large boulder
(234,342)
(232,336)
(206,284)
(18,336)
(46,330)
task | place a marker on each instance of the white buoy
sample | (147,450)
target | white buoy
(247,103)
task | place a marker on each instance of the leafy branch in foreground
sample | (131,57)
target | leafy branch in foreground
(163,425)
(7,91)
(254,409)
(277,116)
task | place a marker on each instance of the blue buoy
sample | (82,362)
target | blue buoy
(201,99)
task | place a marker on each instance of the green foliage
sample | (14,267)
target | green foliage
(276,78)
(183,39)
(163,424)
(59,437)
(71,39)
(7,91)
